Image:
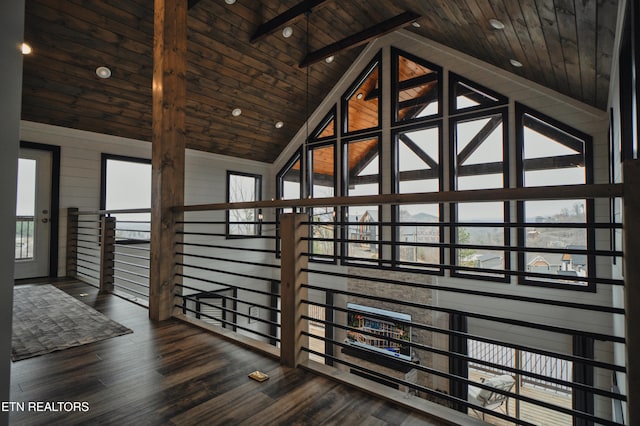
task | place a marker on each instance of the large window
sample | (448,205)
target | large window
(361,176)
(478,153)
(322,184)
(417,233)
(126,185)
(243,187)
(557,239)
(464,239)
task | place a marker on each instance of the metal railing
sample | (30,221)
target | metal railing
(373,305)
(111,254)
(24,237)
(409,323)
(231,281)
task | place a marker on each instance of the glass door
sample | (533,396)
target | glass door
(33,213)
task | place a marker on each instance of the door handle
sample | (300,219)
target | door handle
(45,220)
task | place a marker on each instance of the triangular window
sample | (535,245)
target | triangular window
(327,127)
(466,95)
(416,88)
(361,104)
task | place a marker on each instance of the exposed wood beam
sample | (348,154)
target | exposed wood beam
(275,23)
(167,150)
(418,81)
(192,3)
(360,38)
(419,103)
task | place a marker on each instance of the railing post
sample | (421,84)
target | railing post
(71,268)
(631,248)
(107,247)
(294,243)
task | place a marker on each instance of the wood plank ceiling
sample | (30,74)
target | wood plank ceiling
(566,45)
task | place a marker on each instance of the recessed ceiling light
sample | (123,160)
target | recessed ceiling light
(25,49)
(229,1)
(329,59)
(103,72)
(359,96)
(516,63)
(236,112)
(496,24)
(287,32)
(279,125)
(416,24)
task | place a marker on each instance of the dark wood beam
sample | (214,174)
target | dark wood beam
(421,80)
(360,38)
(275,23)
(192,3)
(167,151)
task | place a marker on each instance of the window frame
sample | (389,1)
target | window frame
(396,86)
(376,62)
(455,271)
(257,212)
(325,142)
(520,111)
(344,185)
(454,79)
(396,263)
(297,156)
(104,158)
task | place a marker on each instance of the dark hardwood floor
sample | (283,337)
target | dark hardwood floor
(172,373)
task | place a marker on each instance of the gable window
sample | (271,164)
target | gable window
(361,104)
(417,233)
(361,176)
(243,187)
(557,238)
(322,184)
(290,179)
(126,185)
(468,96)
(478,154)
(321,160)
(417,94)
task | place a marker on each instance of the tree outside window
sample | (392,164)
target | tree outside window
(243,187)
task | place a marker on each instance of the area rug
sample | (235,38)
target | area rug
(46,319)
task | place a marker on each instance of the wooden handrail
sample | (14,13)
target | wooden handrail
(104,212)
(560,192)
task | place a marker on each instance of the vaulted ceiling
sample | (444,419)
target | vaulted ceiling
(566,45)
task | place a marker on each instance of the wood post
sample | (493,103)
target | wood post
(631,248)
(71,269)
(292,276)
(168,150)
(107,247)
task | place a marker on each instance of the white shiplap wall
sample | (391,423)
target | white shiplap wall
(80,153)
